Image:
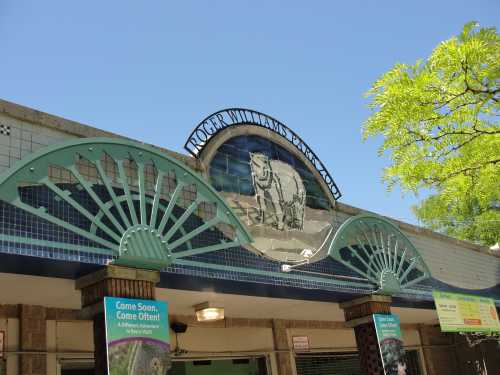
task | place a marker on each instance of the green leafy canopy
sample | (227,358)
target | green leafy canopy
(439,121)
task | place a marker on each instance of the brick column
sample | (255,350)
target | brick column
(33,329)
(358,314)
(284,357)
(112,281)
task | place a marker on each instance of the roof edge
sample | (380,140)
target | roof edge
(77,129)
(414,229)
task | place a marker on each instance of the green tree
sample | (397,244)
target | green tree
(439,121)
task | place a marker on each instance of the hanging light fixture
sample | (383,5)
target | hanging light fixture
(207,312)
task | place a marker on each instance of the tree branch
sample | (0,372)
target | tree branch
(464,171)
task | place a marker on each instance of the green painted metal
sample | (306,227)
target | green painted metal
(142,226)
(128,223)
(376,249)
(54,244)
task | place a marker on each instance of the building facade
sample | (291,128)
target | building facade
(249,219)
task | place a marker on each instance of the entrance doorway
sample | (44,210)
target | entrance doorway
(236,366)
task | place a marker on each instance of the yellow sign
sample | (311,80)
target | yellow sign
(465,313)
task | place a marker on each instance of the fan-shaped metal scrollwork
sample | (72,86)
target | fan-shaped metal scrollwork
(125,199)
(376,249)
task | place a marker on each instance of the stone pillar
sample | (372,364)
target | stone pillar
(33,329)
(112,281)
(284,357)
(358,315)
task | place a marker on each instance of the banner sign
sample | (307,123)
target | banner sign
(390,343)
(137,336)
(465,313)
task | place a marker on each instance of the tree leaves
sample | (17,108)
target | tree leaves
(439,122)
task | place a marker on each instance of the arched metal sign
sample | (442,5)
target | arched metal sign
(218,121)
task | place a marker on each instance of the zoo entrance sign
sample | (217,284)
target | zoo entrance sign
(218,121)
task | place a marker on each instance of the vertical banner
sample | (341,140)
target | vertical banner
(390,343)
(137,336)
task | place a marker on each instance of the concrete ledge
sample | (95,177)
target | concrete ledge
(117,272)
(357,322)
(365,299)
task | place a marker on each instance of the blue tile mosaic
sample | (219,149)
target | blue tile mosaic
(230,168)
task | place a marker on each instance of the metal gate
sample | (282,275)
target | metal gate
(328,364)
(345,364)
(220,366)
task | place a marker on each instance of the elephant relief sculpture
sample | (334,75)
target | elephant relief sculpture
(279,191)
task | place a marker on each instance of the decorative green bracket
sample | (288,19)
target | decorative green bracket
(376,249)
(133,202)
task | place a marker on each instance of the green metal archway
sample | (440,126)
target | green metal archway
(128,200)
(377,250)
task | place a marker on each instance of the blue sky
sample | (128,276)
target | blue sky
(151,70)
